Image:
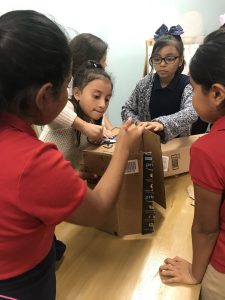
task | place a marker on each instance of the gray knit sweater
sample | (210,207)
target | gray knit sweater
(177,124)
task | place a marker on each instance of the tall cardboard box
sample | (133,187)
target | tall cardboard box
(176,155)
(143,183)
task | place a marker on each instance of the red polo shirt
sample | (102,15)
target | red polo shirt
(207,169)
(38,189)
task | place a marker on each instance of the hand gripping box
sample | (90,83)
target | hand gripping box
(143,183)
(176,155)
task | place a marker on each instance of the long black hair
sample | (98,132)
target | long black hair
(86,46)
(207,66)
(33,51)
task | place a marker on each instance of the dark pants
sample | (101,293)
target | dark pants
(36,284)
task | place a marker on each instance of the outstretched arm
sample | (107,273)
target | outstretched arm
(92,131)
(130,108)
(205,231)
(98,202)
(179,123)
(108,125)
(205,228)
(68,118)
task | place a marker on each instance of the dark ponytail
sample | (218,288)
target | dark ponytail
(207,66)
(33,51)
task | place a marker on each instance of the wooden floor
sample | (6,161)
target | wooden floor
(100,266)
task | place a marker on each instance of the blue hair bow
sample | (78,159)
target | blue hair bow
(163,29)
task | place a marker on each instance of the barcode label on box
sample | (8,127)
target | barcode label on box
(174,159)
(165,160)
(132,167)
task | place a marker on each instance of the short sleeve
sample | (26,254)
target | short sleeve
(49,188)
(204,169)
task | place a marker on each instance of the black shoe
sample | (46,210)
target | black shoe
(60,248)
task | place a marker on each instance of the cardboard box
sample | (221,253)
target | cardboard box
(176,155)
(143,183)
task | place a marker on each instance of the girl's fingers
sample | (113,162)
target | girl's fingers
(170,280)
(177,258)
(167,267)
(167,273)
(127,123)
(142,124)
(163,267)
(156,128)
(170,261)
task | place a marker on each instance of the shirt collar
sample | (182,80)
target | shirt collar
(218,125)
(16,122)
(172,85)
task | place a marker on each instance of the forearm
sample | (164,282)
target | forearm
(130,109)
(178,124)
(92,131)
(203,245)
(113,174)
(107,123)
(65,118)
(129,112)
(79,124)
(98,202)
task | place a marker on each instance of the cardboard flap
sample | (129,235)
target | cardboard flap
(96,162)
(143,183)
(181,142)
(151,143)
(176,154)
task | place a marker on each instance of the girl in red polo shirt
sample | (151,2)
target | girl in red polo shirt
(38,188)
(207,169)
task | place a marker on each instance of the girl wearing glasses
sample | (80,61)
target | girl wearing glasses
(162,101)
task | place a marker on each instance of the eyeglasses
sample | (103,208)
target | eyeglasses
(168,59)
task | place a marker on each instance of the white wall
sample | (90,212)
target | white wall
(125,25)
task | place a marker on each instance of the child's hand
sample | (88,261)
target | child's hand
(177,270)
(107,133)
(93,132)
(129,136)
(152,126)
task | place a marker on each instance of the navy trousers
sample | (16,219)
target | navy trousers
(36,284)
